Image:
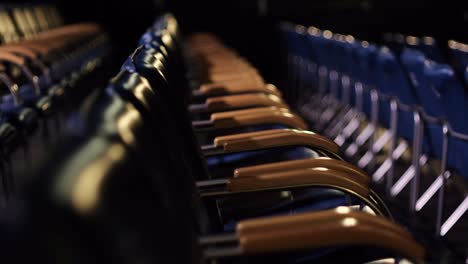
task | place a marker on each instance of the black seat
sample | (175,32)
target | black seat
(117,200)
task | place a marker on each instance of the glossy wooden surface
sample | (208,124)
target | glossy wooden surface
(324,162)
(275,138)
(337,229)
(268,117)
(300,177)
(242,101)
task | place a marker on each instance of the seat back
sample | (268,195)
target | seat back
(413,62)
(453,98)
(104,183)
(450,92)
(163,141)
(392,81)
(433,50)
(168,98)
(365,55)
(395,41)
(426,45)
(459,55)
(115,217)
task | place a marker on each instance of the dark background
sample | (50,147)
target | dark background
(240,23)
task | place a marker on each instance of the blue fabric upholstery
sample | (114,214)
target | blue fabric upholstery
(413,62)
(466,76)
(309,200)
(224,165)
(454,100)
(441,96)
(366,55)
(393,81)
(261,155)
(295,41)
(448,89)
(431,49)
(460,57)
(349,69)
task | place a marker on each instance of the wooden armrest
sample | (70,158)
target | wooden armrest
(47,41)
(247,75)
(230,119)
(223,60)
(225,67)
(236,77)
(210,55)
(12,58)
(270,224)
(254,110)
(305,231)
(320,177)
(238,87)
(25,51)
(74,29)
(221,54)
(220,103)
(275,138)
(203,37)
(206,44)
(322,162)
(243,136)
(208,47)
(46,46)
(233,67)
(38,47)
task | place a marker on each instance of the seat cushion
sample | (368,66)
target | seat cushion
(224,165)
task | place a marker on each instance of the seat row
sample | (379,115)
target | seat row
(455,54)
(189,156)
(26,20)
(37,75)
(394,110)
